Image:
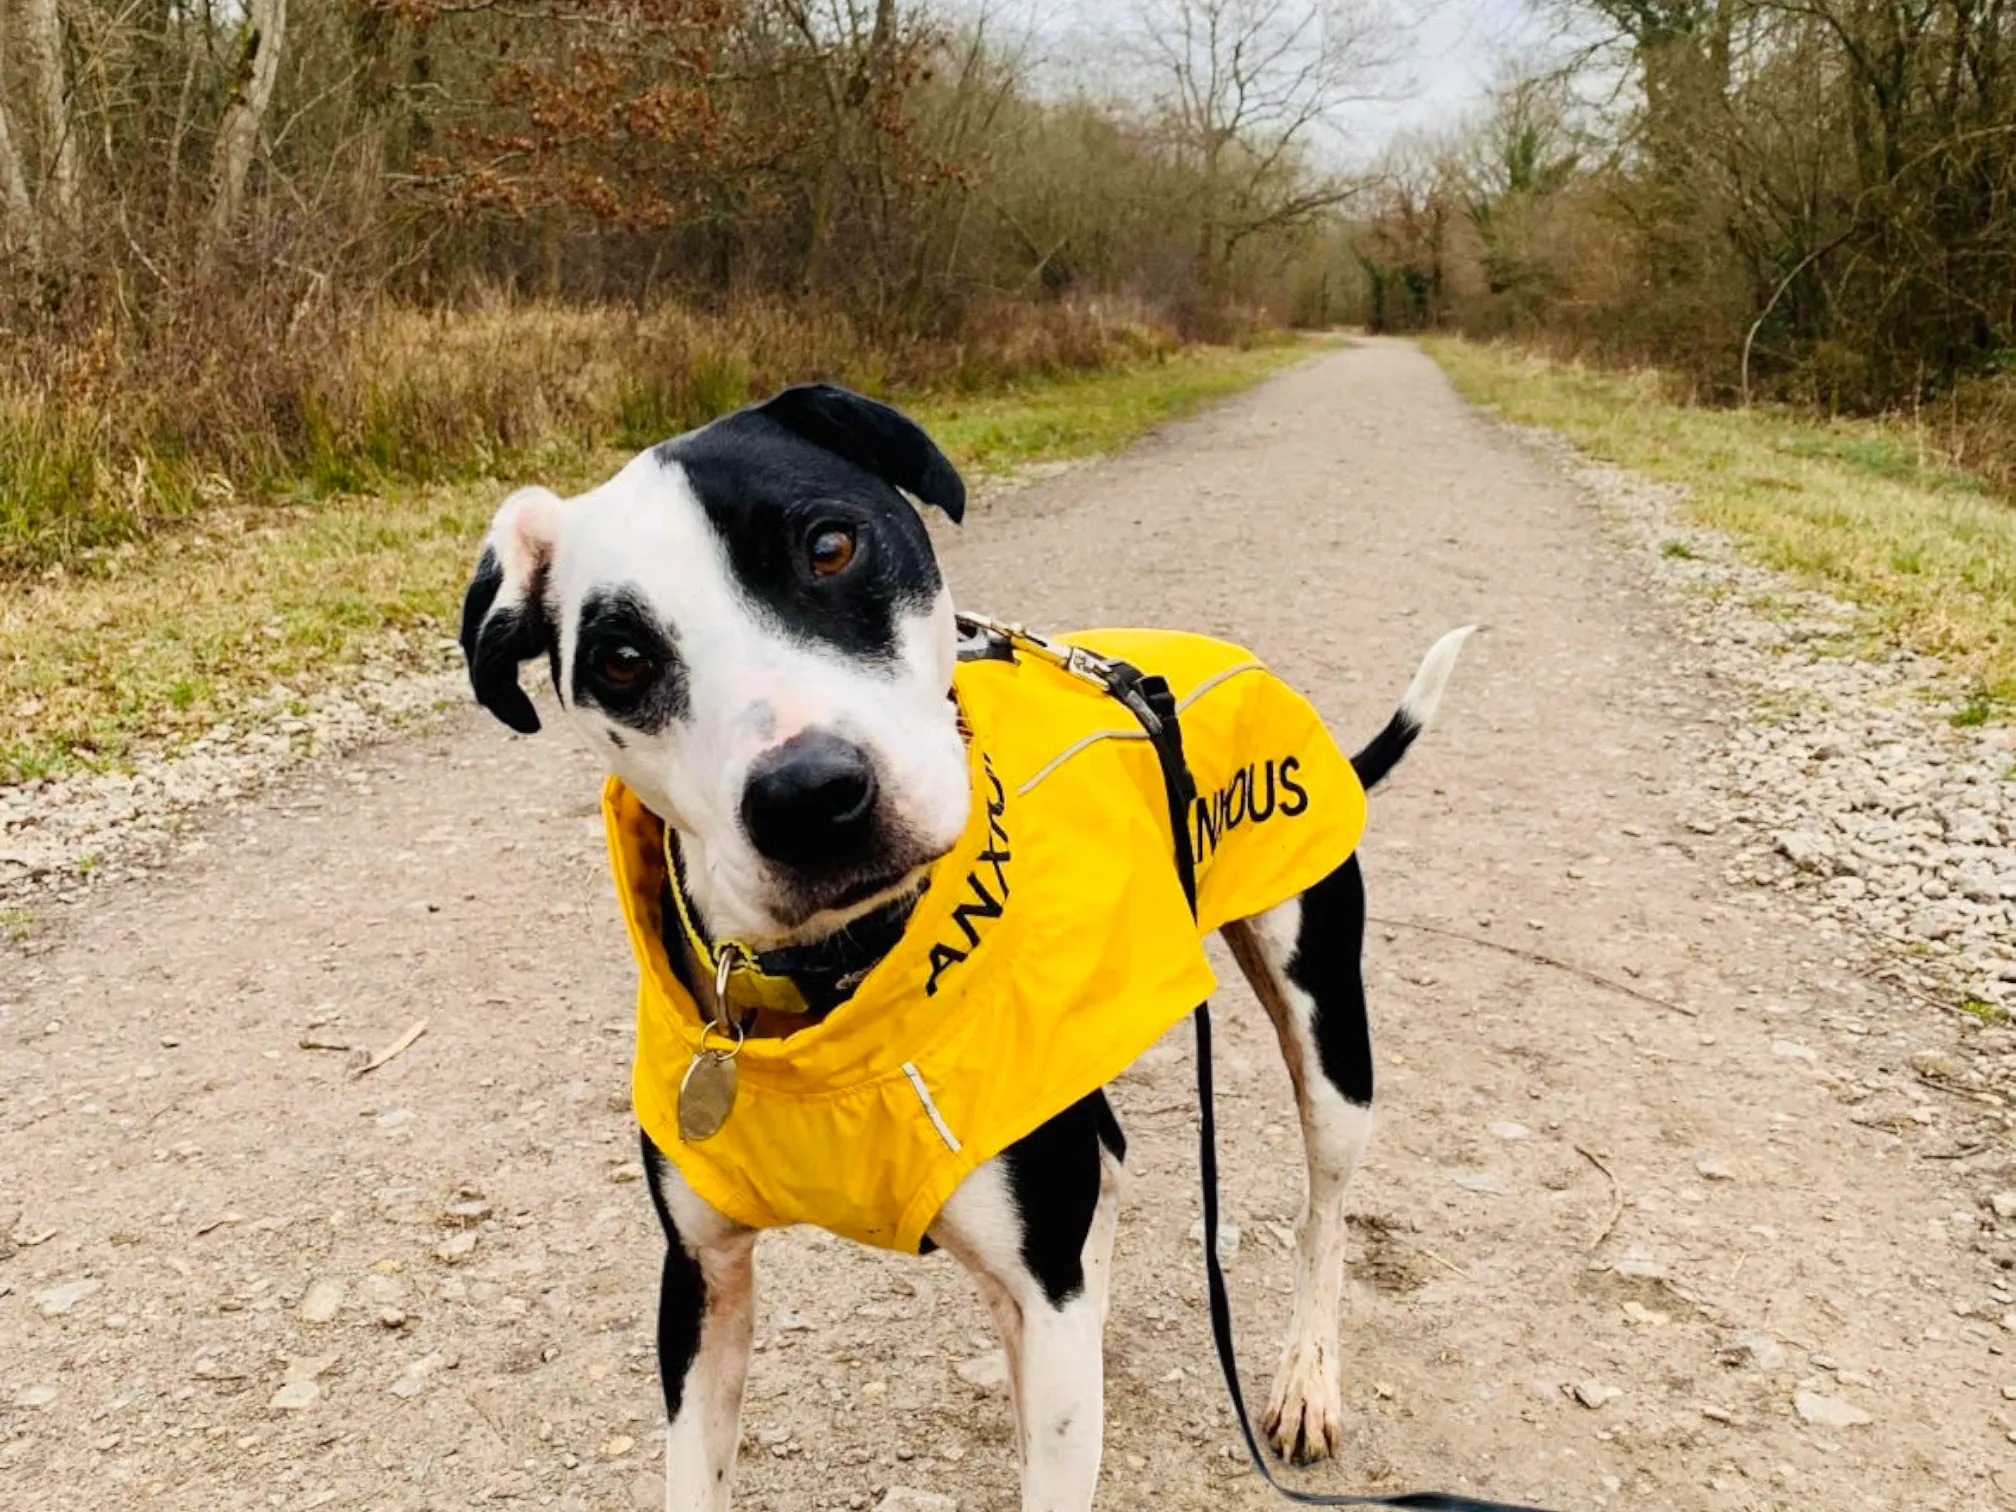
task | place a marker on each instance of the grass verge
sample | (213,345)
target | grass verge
(1859,508)
(165,638)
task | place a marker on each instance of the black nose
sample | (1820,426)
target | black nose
(811,802)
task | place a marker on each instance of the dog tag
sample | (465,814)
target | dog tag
(706,1096)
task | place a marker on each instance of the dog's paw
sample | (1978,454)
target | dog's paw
(1305,1414)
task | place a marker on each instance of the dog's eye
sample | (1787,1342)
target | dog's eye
(620,665)
(831,549)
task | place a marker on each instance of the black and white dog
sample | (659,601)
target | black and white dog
(749,627)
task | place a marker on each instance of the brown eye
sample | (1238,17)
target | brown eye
(832,549)
(621,666)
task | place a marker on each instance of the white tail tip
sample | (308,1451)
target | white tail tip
(1424,694)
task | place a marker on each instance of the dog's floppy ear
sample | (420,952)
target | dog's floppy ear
(505,618)
(874,437)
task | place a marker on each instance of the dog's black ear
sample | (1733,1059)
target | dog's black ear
(874,437)
(505,618)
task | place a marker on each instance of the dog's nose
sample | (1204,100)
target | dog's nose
(810,802)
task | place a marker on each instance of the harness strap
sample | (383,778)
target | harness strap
(1149,700)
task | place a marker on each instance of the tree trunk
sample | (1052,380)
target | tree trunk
(259,44)
(43,26)
(1210,231)
(17,211)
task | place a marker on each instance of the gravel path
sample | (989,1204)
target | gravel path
(1741,1251)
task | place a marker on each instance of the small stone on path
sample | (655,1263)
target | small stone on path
(1229,1235)
(1759,1351)
(58,1300)
(907,1499)
(413,1379)
(294,1396)
(1594,1394)
(323,1302)
(989,1372)
(1829,1412)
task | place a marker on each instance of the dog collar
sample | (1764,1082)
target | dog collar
(774,981)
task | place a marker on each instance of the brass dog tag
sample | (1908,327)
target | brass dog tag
(706,1096)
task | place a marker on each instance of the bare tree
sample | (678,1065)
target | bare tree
(259,45)
(17,210)
(1241,89)
(43,25)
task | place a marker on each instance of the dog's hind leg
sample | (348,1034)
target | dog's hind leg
(1304,962)
(706,1318)
(1035,1227)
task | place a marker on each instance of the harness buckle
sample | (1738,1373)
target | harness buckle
(1088,666)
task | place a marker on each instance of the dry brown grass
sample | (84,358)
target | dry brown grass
(164,637)
(105,438)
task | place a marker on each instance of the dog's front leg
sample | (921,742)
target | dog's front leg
(1035,1227)
(706,1317)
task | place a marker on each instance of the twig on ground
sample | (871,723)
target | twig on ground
(1989,1096)
(1616,1198)
(393,1051)
(1538,959)
(1449,1265)
(1890,978)
(1959,1152)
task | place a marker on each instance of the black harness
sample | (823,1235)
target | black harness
(1151,703)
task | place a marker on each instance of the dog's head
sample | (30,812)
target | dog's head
(749,625)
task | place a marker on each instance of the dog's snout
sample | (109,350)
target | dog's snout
(810,803)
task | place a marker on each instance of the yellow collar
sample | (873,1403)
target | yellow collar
(749,988)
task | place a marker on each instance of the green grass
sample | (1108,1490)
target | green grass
(1857,508)
(1085,414)
(1980,709)
(162,639)
(1988,1013)
(16,924)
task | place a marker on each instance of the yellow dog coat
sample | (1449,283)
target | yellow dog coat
(1052,946)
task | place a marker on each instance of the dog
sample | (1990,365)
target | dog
(748,626)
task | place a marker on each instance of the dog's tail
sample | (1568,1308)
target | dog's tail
(1417,707)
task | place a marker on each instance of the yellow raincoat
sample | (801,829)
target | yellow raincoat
(1051,948)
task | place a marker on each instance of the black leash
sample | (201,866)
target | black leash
(1149,700)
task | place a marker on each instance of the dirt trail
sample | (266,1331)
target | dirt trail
(1691,1217)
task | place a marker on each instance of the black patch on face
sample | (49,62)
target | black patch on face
(769,493)
(613,621)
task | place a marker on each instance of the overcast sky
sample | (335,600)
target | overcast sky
(1456,50)
(1453,49)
